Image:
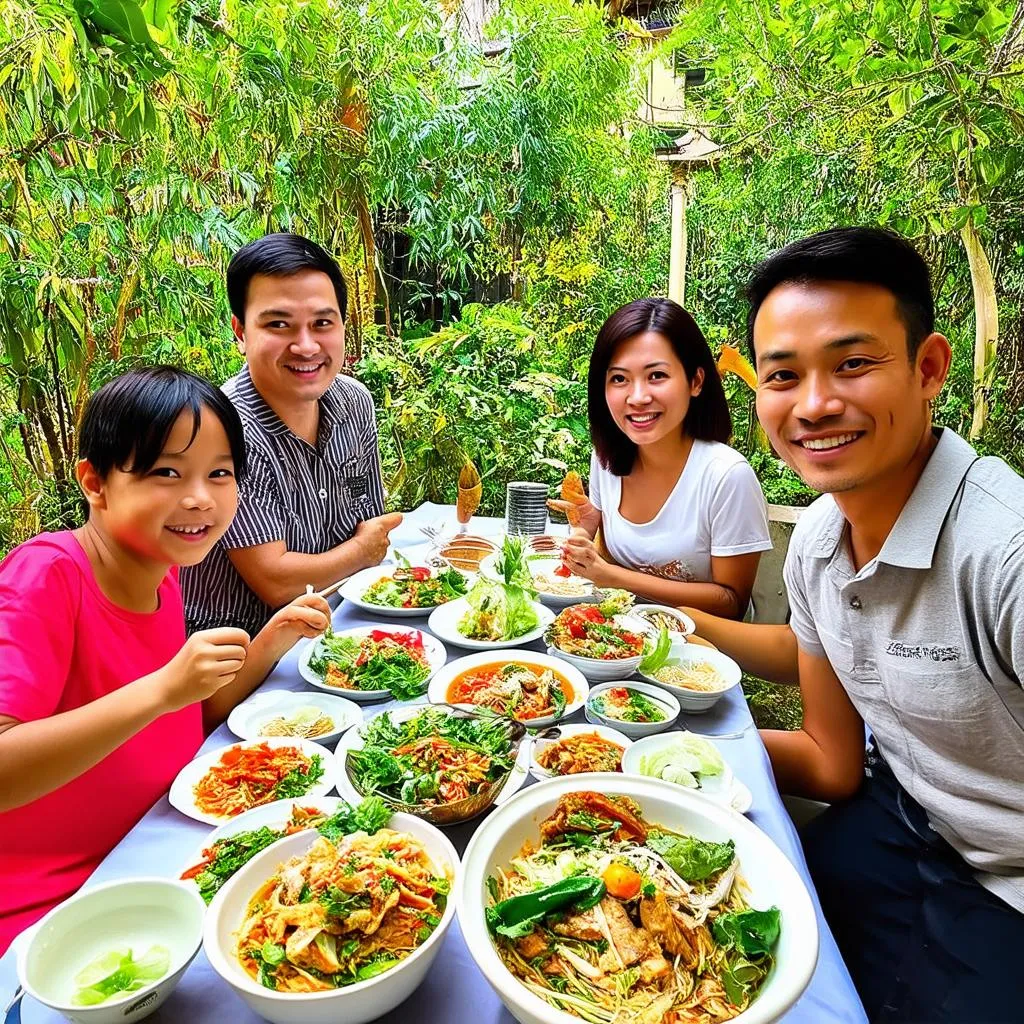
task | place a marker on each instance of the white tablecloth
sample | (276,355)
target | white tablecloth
(454,991)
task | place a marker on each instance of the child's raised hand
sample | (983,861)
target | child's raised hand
(308,615)
(209,660)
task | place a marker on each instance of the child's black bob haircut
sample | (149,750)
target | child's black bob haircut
(126,423)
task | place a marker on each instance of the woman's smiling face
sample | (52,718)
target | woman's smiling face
(647,390)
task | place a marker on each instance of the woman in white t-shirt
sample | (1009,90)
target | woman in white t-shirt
(681,515)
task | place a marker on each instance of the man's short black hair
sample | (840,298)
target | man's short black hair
(280,255)
(865,255)
(708,417)
(126,423)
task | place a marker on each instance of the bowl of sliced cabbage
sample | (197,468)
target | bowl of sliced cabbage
(688,760)
(615,898)
(112,952)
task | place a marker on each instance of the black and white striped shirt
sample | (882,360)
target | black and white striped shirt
(311,497)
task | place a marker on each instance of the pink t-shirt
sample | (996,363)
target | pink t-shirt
(63,644)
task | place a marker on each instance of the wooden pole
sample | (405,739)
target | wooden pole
(677,259)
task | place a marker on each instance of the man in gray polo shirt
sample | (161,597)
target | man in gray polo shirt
(311,508)
(905,582)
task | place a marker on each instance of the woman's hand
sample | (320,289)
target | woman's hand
(308,615)
(580,554)
(583,514)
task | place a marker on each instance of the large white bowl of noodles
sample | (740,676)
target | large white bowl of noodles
(770,879)
(351,1004)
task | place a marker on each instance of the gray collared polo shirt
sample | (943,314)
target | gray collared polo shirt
(928,640)
(310,496)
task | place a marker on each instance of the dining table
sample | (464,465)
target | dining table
(165,841)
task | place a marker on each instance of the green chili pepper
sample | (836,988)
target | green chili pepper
(516,916)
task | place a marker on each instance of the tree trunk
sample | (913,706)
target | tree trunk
(986,325)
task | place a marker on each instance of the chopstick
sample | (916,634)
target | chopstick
(327,591)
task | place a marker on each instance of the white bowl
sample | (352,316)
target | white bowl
(598,670)
(634,730)
(353,740)
(182,798)
(353,1004)
(444,622)
(358,584)
(134,914)
(771,878)
(686,623)
(724,789)
(246,720)
(694,702)
(539,744)
(438,691)
(432,647)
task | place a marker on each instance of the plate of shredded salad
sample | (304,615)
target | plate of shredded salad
(230,846)
(368,663)
(427,760)
(226,782)
(404,590)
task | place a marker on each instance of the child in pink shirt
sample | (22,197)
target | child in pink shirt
(102,698)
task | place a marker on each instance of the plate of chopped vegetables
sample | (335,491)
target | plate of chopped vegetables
(404,590)
(230,846)
(441,764)
(577,750)
(224,783)
(368,663)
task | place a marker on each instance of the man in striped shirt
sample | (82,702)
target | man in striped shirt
(311,510)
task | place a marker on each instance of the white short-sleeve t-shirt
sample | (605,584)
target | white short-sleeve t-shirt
(716,508)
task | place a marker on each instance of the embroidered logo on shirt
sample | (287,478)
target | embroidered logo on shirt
(357,486)
(923,652)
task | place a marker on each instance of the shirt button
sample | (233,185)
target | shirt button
(855,603)
(323,494)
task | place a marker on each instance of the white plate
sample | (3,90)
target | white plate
(250,716)
(434,649)
(725,789)
(438,690)
(181,796)
(273,815)
(358,584)
(353,740)
(444,621)
(545,563)
(539,745)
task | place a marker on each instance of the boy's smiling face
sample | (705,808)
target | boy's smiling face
(175,512)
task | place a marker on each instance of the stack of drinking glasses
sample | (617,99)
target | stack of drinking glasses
(526,510)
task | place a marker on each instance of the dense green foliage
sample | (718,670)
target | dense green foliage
(489,210)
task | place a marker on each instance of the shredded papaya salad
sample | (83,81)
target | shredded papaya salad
(392,660)
(342,912)
(247,777)
(590,631)
(433,758)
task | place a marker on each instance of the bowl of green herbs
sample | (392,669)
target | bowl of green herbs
(442,764)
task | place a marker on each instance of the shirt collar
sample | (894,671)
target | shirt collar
(912,540)
(332,408)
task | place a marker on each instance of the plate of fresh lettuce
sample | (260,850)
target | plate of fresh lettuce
(691,761)
(499,611)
